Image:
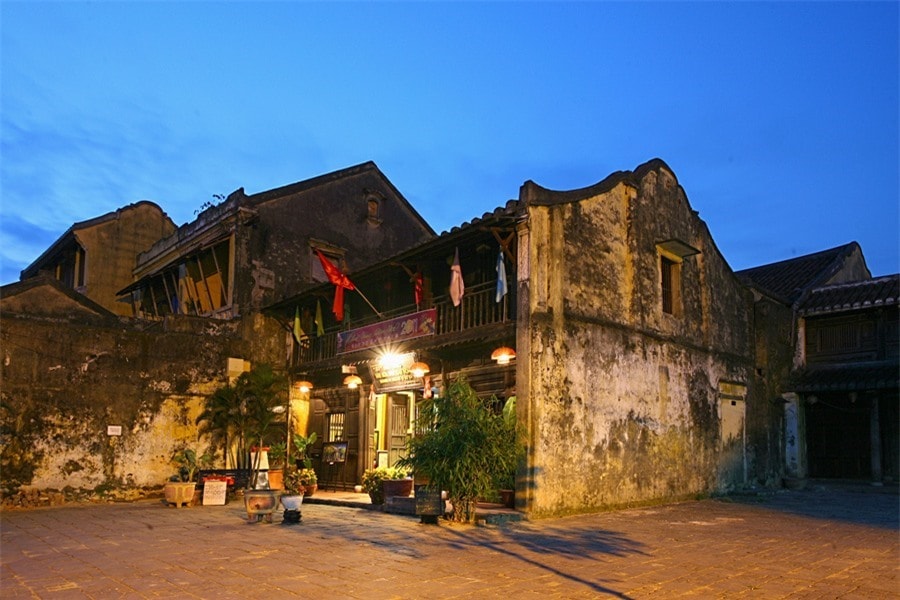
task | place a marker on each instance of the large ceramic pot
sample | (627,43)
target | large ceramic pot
(179,492)
(261,504)
(397,487)
(292,502)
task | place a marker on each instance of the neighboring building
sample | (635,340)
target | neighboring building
(841,391)
(634,359)
(95,257)
(254,250)
(196,291)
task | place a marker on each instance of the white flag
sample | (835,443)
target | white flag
(501,278)
(457,287)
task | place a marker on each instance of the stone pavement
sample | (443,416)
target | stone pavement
(817,543)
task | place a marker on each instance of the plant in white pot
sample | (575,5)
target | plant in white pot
(292,495)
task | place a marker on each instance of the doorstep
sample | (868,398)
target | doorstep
(485,513)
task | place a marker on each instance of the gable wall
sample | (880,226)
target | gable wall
(622,401)
(111,248)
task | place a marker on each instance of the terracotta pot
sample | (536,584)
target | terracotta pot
(309,490)
(178,493)
(509,498)
(397,487)
(276,479)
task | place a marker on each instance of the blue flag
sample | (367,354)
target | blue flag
(501,278)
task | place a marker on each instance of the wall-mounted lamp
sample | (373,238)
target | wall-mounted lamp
(419,369)
(303,386)
(352,381)
(503,355)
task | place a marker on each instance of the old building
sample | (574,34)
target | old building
(254,250)
(643,369)
(631,336)
(840,388)
(96,257)
(196,292)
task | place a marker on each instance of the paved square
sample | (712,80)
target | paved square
(821,543)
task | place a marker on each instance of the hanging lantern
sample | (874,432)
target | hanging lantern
(352,381)
(419,369)
(503,355)
(303,386)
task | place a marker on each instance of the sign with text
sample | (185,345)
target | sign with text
(388,332)
(214,493)
(395,376)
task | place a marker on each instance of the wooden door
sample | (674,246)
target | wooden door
(397,426)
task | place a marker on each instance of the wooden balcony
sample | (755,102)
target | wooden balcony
(478,309)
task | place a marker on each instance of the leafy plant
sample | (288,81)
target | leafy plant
(463,448)
(189,463)
(302,444)
(240,416)
(294,484)
(307,476)
(372,478)
(277,453)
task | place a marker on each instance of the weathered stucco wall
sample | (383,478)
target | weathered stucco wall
(622,401)
(64,383)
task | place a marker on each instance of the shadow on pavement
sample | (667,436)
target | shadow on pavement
(856,503)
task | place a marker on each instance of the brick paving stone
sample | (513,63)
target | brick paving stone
(822,543)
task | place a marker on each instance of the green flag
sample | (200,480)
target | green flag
(298,329)
(320,324)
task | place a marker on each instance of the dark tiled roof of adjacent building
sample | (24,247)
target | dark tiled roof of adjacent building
(859,377)
(789,279)
(858,295)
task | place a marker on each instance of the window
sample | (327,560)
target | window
(672,253)
(373,208)
(316,272)
(334,425)
(670,276)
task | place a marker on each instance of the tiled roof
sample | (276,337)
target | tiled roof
(860,377)
(789,279)
(883,291)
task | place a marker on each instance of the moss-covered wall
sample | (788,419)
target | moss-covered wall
(621,400)
(64,383)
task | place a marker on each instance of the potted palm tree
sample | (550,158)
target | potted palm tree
(241,417)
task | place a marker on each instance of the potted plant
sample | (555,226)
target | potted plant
(373,482)
(464,447)
(397,483)
(302,444)
(308,480)
(249,409)
(277,454)
(292,495)
(181,487)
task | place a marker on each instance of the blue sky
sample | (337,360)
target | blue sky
(780,120)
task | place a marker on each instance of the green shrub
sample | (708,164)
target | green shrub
(463,448)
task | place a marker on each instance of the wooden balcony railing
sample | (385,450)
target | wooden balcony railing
(478,308)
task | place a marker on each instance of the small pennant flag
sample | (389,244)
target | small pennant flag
(502,288)
(320,324)
(457,287)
